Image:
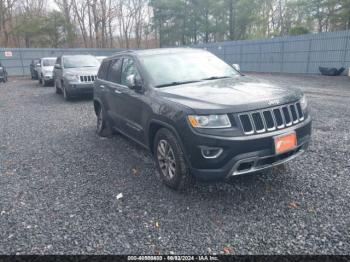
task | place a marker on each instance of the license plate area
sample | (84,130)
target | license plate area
(286,142)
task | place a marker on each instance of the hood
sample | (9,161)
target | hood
(48,69)
(230,95)
(80,71)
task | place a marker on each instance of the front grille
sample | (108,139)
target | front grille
(87,78)
(267,120)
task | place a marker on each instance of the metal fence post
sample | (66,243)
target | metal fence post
(21,57)
(346,48)
(282,57)
(308,57)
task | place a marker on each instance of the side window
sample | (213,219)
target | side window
(129,68)
(102,72)
(114,71)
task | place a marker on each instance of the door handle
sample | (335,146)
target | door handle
(102,86)
(117,91)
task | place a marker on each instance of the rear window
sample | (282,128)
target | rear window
(114,71)
(102,73)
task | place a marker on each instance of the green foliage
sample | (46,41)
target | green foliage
(185,22)
(298,30)
(42,31)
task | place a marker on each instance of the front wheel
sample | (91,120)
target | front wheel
(58,90)
(103,127)
(66,94)
(43,82)
(170,161)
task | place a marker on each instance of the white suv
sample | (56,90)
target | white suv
(45,70)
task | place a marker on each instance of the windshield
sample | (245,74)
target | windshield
(80,61)
(177,68)
(49,62)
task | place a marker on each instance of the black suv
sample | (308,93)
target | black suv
(3,73)
(197,115)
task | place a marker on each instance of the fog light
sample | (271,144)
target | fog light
(211,152)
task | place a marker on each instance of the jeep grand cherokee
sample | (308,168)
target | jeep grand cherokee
(74,75)
(197,115)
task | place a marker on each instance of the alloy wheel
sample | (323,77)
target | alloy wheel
(166,159)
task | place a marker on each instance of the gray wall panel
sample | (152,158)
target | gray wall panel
(297,54)
(19,63)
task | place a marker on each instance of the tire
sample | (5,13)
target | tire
(66,94)
(57,89)
(170,162)
(103,127)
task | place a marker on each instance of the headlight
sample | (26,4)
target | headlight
(209,121)
(71,77)
(303,103)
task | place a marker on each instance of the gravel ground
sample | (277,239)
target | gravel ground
(59,184)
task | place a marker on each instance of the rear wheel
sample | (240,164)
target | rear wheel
(103,127)
(170,161)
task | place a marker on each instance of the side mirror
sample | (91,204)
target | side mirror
(237,67)
(58,66)
(134,83)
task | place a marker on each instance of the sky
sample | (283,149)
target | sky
(52,5)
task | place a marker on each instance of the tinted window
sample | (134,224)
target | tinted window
(114,71)
(102,73)
(129,68)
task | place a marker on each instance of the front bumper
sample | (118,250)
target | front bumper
(48,77)
(241,155)
(79,88)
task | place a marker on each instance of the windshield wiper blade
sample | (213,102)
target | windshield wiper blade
(215,77)
(177,83)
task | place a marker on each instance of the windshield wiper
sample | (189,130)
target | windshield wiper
(177,83)
(215,77)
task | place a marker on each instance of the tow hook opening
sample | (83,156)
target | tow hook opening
(245,166)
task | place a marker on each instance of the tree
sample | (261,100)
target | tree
(298,30)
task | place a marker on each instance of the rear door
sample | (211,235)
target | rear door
(101,84)
(113,92)
(57,72)
(39,68)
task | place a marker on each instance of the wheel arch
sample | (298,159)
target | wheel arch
(97,105)
(154,127)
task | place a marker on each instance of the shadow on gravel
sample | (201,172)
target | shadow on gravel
(57,99)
